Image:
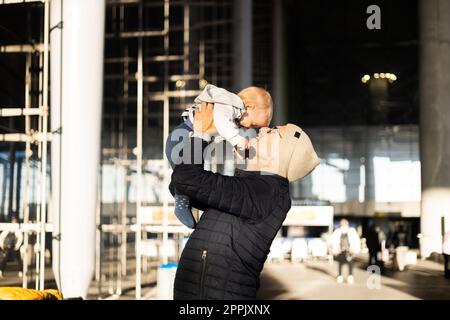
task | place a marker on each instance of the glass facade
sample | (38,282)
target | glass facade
(365,169)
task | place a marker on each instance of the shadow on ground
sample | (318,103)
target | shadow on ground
(418,281)
(271,288)
(321,270)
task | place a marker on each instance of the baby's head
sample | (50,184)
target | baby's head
(258,107)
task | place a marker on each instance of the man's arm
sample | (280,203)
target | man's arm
(213,190)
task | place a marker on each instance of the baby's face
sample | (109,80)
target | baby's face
(257,114)
(254,118)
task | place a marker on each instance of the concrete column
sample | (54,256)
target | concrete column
(378,95)
(76,109)
(242,44)
(352,180)
(279,88)
(369,174)
(434,87)
(55,117)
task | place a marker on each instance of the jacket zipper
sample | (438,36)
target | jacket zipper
(202,278)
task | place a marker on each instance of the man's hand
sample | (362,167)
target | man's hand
(204,120)
(265,130)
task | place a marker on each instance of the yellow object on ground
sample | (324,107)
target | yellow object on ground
(17,293)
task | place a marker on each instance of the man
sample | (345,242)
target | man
(374,240)
(225,254)
(345,244)
(401,247)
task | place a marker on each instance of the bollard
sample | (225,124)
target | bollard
(165,278)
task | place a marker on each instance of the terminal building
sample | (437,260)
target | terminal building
(89,91)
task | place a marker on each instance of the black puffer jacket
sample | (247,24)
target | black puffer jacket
(225,254)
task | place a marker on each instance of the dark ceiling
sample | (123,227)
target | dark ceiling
(330,48)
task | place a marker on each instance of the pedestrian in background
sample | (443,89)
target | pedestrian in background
(374,240)
(346,244)
(401,247)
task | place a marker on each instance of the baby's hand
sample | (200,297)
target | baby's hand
(264,130)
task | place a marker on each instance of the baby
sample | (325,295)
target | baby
(233,116)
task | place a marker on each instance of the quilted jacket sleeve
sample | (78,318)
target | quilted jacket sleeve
(239,196)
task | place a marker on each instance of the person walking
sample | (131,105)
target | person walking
(374,241)
(401,247)
(345,243)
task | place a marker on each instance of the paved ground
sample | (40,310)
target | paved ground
(317,280)
(309,280)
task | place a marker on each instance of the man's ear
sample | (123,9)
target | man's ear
(245,114)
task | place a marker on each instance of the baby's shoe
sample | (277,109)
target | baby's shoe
(183,210)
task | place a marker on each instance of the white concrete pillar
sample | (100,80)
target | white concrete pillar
(434,86)
(55,123)
(242,44)
(76,106)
